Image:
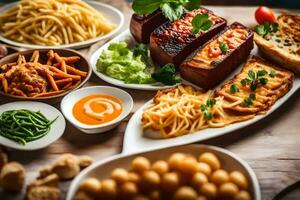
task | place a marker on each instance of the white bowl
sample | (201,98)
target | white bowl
(102,169)
(113,14)
(56,129)
(69,101)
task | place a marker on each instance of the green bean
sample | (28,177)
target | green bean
(14,138)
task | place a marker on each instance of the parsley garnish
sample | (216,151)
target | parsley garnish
(201,23)
(166,75)
(266,28)
(272,74)
(255,79)
(234,89)
(205,108)
(224,47)
(249,101)
(171,9)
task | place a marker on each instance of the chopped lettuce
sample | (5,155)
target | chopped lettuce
(124,64)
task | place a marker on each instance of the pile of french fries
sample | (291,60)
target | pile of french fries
(35,79)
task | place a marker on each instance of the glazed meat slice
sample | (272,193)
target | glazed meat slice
(173,41)
(212,62)
(141,26)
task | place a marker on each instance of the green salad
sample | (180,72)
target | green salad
(133,65)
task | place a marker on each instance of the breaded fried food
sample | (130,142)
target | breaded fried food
(43,192)
(12,177)
(255,97)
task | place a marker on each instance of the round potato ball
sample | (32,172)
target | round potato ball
(134,177)
(209,190)
(188,165)
(201,197)
(155,195)
(242,195)
(109,189)
(204,168)
(239,179)
(150,179)
(129,189)
(210,159)
(185,193)
(228,190)
(161,167)
(120,175)
(199,179)
(12,176)
(175,160)
(170,181)
(141,197)
(91,186)
(140,164)
(219,177)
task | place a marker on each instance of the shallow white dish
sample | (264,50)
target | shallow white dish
(135,141)
(56,130)
(102,169)
(126,37)
(113,14)
(69,101)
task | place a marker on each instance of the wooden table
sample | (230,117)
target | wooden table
(271,146)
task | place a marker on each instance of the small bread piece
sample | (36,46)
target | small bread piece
(44,171)
(43,193)
(12,177)
(283,46)
(51,180)
(85,161)
(266,95)
(66,166)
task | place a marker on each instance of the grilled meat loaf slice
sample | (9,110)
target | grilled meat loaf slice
(141,26)
(173,41)
(212,62)
(279,81)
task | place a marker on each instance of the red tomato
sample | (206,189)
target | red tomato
(264,14)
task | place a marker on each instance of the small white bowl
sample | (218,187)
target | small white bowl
(103,168)
(69,101)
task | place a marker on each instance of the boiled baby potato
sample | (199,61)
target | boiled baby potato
(170,181)
(219,177)
(228,190)
(242,195)
(134,177)
(239,179)
(91,186)
(209,190)
(188,165)
(204,168)
(109,189)
(150,180)
(161,167)
(129,189)
(140,164)
(175,160)
(185,193)
(120,175)
(199,179)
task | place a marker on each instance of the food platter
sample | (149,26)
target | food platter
(112,13)
(126,37)
(56,130)
(134,131)
(104,167)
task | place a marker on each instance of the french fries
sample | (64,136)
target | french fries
(36,79)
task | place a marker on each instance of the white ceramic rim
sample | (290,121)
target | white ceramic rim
(95,55)
(76,45)
(75,183)
(89,127)
(32,145)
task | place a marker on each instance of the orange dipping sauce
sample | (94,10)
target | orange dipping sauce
(97,109)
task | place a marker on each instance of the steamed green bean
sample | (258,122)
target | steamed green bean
(24,126)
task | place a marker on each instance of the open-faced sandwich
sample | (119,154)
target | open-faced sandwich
(281,43)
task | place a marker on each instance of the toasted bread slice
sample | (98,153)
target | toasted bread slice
(279,83)
(283,47)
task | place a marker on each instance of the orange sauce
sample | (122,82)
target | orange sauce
(97,109)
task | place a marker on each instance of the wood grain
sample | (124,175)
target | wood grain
(271,146)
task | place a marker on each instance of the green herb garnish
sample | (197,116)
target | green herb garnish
(205,108)
(224,47)
(166,75)
(171,9)
(255,79)
(234,89)
(249,101)
(272,74)
(266,28)
(141,50)
(201,23)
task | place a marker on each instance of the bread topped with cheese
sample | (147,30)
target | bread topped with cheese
(283,46)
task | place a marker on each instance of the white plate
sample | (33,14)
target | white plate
(113,14)
(102,169)
(134,140)
(68,102)
(125,37)
(56,130)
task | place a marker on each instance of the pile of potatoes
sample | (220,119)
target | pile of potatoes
(181,177)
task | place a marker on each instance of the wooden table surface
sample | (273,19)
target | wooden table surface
(271,146)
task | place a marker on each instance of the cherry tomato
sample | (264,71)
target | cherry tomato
(264,14)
